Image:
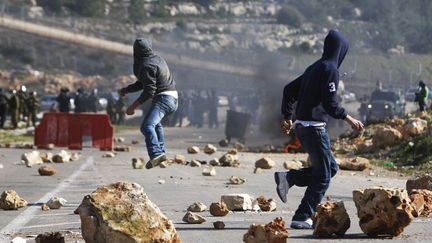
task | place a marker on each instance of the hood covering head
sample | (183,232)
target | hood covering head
(422,84)
(142,48)
(335,47)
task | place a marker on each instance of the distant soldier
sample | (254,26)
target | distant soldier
(213,103)
(92,101)
(3,107)
(79,101)
(121,109)
(63,100)
(22,95)
(422,95)
(111,109)
(32,107)
(14,104)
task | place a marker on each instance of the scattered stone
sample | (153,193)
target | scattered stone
(193,218)
(386,137)
(137,163)
(75,156)
(219,225)
(119,140)
(10,200)
(214,162)
(292,165)
(239,146)
(46,157)
(46,170)
(234,180)
(135,142)
(210,149)
(62,157)
(273,232)
(24,146)
(1,166)
(423,182)
(45,207)
(331,218)
(356,164)
(232,151)
(50,146)
(264,163)
(141,220)
(219,209)
(18,240)
(53,237)
(413,127)
(224,143)
(257,170)
(266,205)
(421,200)
(56,203)
(209,171)
(161,182)
(163,164)
(197,207)
(237,202)
(180,159)
(383,211)
(109,155)
(229,160)
(193,150)
(32,158)
(195,163)
(122,148)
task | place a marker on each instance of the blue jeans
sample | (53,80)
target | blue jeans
(151,126)
(316,178)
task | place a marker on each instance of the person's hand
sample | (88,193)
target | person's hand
(354,123)
(286,125)
(130,111)
(121,92)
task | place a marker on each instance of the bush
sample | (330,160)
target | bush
(93,8)
(136,11)
(290,16)
(21,54)
(416,152)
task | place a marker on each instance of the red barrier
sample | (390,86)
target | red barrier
(68,129)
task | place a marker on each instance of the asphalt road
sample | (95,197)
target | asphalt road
(184,185)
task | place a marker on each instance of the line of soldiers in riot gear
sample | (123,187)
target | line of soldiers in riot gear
(20,105)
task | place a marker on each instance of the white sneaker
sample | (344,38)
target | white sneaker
(307,224)
(156,161)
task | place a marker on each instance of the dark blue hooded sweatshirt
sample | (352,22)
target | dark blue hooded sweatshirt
(315,90)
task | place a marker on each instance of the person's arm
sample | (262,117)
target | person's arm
(290,96)
(329,95)
(148,78)
(131,88)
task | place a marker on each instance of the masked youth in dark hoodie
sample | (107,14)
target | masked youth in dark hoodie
(156,82)
(315,94)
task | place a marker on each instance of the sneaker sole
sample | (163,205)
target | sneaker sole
(278,185)
(298,226)
(155,162)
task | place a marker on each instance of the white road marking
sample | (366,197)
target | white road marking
(22,219)
(50,225)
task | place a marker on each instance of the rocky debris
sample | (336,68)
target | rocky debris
(210,149)
(45,207)
(214,162)
(197,207)
(266,205)
(18,240)
(122,212)
(10,200)
(264,163)
(423,182)
(46,157)
(180,159)
(163,164)
(235,180)
(195,163)
(193,218)
(292,165)
(331,218)
(229,160)
(62,157)
(135,142)
(122,148)
(46,170)
(137,163)
(257,170)
(232,151)
(53,237)
(24,146)
(383,211)
(119,140)
(421,200)
(239,146)
(219,209)
(1,166)
(75,156)
(161,181)
(50,146)
(386,137)
(56,203)
(237,202)
(224,143)
(193,150)
(31,158)
(219,225)
(109,155)
(209,171)
(413,127)
(273,232)
(356,164)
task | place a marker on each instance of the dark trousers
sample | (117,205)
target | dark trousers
(422,105)
(316,142)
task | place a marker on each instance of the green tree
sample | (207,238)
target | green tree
(289,16)
(137,11)
(87,8)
